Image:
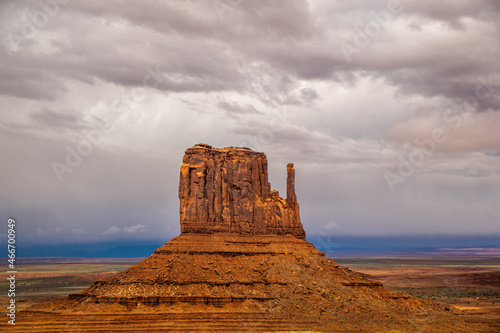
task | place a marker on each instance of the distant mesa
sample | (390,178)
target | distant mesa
(241,263)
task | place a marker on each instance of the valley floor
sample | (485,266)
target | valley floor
(469,283)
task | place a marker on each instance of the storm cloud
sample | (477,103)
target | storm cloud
(389,110)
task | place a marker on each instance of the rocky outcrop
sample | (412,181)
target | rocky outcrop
(279,277)
(227,190)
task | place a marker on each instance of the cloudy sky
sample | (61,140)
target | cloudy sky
(390,111)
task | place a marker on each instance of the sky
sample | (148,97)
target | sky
(390,111)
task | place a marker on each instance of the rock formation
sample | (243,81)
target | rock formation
(240,264)
(227,190)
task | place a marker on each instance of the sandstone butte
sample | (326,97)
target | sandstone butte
(241,264)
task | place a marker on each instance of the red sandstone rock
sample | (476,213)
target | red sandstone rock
(227,190)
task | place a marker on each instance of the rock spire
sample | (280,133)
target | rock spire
(227,190)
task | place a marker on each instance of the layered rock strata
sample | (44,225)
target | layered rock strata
(280,280)
(227,190)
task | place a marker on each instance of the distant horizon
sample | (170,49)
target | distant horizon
(341,245)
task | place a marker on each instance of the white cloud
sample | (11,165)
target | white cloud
(112,230)
(133,229)
(80,231)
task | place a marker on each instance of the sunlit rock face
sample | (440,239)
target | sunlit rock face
(227,190)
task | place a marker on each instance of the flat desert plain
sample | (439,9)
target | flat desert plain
(470,283)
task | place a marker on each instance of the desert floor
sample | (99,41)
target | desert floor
(470,283)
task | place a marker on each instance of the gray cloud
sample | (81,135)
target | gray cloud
(130,85)
(461,131)
(53,119)
(234,108)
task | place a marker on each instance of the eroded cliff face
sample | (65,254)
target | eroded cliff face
(227,190)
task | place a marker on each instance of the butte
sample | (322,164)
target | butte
(241,263)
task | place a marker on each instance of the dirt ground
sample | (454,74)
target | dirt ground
(471,284)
